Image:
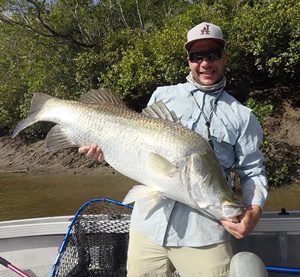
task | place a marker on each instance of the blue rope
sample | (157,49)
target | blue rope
(283,269)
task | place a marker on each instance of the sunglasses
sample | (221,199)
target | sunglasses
(211,54)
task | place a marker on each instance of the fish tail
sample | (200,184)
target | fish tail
(37,103)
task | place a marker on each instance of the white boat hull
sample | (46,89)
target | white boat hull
(32,244)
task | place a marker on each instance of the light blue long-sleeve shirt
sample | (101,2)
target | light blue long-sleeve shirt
(236,136)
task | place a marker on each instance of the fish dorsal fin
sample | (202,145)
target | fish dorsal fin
(101,96)
(160,110)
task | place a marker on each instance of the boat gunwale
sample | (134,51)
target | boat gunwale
(58,225)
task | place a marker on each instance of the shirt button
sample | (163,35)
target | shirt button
(169,206)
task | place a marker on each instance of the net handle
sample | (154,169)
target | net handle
(13,268)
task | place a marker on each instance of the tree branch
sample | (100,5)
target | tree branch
(139,14)
(50,31)
(122,13)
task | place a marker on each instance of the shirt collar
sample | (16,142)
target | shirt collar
(214,89)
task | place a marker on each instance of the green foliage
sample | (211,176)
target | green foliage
(12,69)
(261,110)
(158,57)
(278,171)
(146,63)
(65,48)
(31,63)
(263,43)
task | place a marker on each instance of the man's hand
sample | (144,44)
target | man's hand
(248,220)
(92,151)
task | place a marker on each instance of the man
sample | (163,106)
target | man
(176,235)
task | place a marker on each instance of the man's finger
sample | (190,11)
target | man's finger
(92,151)
(100,156)
(234,233)
(83,149)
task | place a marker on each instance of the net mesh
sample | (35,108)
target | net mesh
(97,242)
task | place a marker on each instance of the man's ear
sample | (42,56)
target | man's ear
(188,61)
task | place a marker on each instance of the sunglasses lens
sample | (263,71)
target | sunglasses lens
(215,54)
(196,57)
(212,55)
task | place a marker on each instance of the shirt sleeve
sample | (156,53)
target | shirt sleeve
(249,164)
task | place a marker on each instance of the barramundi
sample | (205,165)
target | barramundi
(167,159)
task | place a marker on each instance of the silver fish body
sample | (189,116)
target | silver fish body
(167,159)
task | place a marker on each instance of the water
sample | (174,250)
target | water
(287,197)
(26,196)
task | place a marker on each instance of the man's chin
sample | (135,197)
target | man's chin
(207,82)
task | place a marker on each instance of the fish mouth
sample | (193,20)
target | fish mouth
(231,211)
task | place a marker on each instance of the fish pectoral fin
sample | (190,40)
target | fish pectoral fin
(58,138)
(141,191)
(152,198)
(161,166)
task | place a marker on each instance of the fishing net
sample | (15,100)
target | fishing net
(97,241)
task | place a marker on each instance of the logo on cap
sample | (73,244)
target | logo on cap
(205,30)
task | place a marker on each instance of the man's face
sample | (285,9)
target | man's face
(205,71)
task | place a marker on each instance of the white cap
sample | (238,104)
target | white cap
(204,30)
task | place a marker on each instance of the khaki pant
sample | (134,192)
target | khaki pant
(146,258)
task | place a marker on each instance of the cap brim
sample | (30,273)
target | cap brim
(189,44)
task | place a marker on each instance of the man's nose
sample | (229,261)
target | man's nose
(205,60)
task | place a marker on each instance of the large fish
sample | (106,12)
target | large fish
(166,158)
